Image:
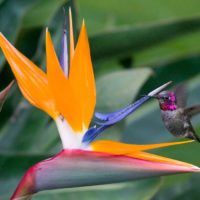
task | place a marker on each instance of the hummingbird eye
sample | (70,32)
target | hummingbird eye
(166,98)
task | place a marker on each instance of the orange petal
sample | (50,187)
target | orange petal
(160,159)
(71,35)
(63,93)
(113,147)
(132,150)
(81,77)
(32,80)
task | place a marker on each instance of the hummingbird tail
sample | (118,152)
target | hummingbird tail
(194,137)
(197,139)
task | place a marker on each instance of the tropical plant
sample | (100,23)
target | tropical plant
(170,50)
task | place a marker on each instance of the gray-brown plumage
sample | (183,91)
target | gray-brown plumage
(175,115)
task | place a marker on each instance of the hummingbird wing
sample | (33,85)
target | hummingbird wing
(180,94)
(191,111)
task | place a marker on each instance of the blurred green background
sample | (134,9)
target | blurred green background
(135,46)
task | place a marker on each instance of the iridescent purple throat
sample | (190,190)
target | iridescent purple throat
(168,107)
(169,104)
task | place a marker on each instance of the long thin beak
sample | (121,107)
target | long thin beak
(152,96)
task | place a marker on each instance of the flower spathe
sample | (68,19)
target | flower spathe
(75,168)
(69,97)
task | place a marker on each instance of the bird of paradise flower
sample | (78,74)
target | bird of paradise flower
(69,97)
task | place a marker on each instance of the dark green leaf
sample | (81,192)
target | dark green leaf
(118,89)
(176,71)
(125,41)
(11,15)
(13,167)
(40,13)
(185,190)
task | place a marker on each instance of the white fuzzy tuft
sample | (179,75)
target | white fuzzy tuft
(69,138)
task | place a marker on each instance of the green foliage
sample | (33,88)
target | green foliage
(118,85)
(11,15)
(127,191)
(126,41)
(13,166)
(124,36)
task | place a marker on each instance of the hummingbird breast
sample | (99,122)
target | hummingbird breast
(176,122)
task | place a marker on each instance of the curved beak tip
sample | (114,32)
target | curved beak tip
(154,96)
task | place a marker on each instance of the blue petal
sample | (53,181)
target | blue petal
(89,133)
(64,49)
(111,119)
(92,133)
(114,117)
(108,116)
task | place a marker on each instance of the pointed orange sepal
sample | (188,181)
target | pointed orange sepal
(81,77)
(31,79)
(132,150)
(160,159)
(63,93)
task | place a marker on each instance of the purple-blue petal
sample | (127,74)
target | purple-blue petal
(111,119)
(108,116)
(114,117)
(92,133)
(64,49)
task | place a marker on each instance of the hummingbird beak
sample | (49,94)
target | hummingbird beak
(154,96)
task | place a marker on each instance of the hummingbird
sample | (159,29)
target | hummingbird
(176,117)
